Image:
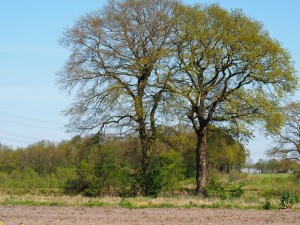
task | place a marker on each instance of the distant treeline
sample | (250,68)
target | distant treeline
(99,165)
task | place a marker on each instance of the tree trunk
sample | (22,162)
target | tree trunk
(144,147)
(201,165)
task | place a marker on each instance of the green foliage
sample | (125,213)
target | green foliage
(124,203)
(29,179)
(103,177)
(267,205)
(222,189)
(110,177)
(236,176)
(164,173)
(81,181)
(236,190)
(224,152)
(215,189)
(83,166)
(288,199)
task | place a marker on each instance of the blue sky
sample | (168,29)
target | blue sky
(30,55)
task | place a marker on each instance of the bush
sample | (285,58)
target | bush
(267,205)
(217,189)
(214,189)
(103,177)
(236,191)
(82,180)
(164,173)
(288,199)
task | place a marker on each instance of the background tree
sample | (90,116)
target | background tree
(272,165)
(224,153)
(229,73)
(261,166)
(116,68)
(288,139)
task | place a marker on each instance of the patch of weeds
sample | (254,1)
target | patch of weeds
(203,206)
(165,205)
(55,204)
(34,203)
(228,205)
(213,206)
(267,205)
(30,203)
(190,205)
(124,203)
(251,199)
(143,205)
(271,193)
(288,199)
(95,204)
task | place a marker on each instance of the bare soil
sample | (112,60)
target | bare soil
(40,215)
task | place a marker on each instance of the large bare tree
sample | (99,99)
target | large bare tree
(117,68)
(229,73)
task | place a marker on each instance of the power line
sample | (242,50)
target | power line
(13,139)
(28,118)
(29,125)
(18,135)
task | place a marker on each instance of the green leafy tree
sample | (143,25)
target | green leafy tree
(223,151)
(229,72)
(261,165)
(273,165)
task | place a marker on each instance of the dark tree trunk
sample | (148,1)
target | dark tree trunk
(144,147)
(201,164)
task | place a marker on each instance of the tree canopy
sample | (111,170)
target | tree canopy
(116,69)
(229,72)
(135,61)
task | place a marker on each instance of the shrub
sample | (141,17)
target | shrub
(164,173)
(218,189)
(288,199)
(214,189)
(105,176)
(267,205)
(81,181)
(236,190)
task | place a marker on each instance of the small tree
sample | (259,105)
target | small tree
(273,165)
(288,139)
(261,165)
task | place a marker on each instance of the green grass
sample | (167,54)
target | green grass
(187,202)
(268,185)
(259,189)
